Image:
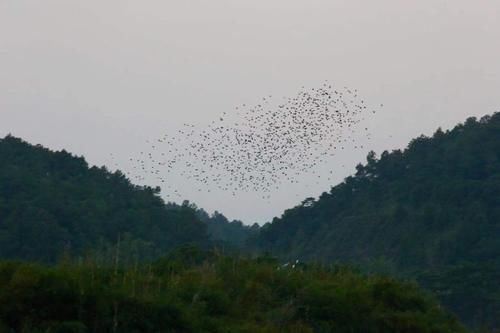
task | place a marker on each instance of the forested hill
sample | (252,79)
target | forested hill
(52,202)
(430,212)
(232,232)
(435,203)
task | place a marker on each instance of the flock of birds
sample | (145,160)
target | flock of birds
(257,148)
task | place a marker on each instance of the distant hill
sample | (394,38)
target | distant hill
(433,207)
(232,235)
(52,203)
(232,232)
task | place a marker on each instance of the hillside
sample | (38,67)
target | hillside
(232,232)
(430,212)
(193,291)
(52,202)
(435,204)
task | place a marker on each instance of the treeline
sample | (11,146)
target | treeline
(220,228)
(437,202)
(433,207)
(53,202)
(195,291)
(430,212)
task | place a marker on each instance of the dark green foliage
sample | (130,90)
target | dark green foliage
(52,201)
(220,228)
(430,213)
(435,204)
(471,290)
(212,294)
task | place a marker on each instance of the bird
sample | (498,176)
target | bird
(263,145)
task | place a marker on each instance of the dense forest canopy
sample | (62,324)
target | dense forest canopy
(51,202)
(220,228)
(429,213)
(433,207)
(437,202)
(195,291)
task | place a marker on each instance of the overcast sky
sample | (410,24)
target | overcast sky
(99,76)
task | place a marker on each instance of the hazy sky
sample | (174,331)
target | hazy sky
(99,76)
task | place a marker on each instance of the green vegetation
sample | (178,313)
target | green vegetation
(437,202)
(430,213)
(432,208)
(52,202)
(194,291)
(220,228)
(471,290)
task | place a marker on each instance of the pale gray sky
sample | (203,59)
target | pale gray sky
(99,76)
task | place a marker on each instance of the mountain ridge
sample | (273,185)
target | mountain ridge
(430,212)
(379,194)
(52,201)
